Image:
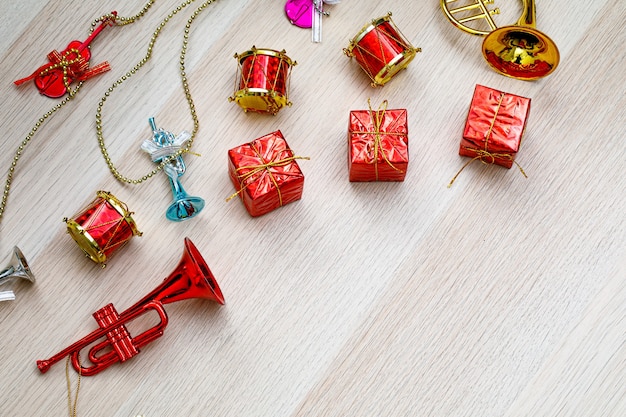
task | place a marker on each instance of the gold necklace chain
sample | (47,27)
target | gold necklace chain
(119,21)
(133,71)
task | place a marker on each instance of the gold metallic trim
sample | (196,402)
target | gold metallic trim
(85,241)
(365,30)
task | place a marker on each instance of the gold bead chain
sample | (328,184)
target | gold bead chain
(133,71)
(120,21)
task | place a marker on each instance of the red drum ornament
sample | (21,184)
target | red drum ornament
(262,83)
(103,227)
(381,50)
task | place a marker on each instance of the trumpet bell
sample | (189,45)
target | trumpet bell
(184,207)
(520,52)
(17,269)
(191,278)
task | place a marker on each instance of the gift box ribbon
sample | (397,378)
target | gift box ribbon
(259,168)
(377,120)
(484,155)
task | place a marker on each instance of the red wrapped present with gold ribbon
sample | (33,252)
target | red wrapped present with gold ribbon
(378,144)
(265,173)
(494,128)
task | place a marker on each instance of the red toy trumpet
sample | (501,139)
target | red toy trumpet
(192,278)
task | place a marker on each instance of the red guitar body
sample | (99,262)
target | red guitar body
(51,83)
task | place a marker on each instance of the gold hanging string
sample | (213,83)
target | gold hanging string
(71,406)
(377,119)
(185,84)
(119,21)
(481,154)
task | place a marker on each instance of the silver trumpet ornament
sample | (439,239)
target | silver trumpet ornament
(162,145)
(18,269)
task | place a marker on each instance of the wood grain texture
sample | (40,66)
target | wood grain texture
(501,296)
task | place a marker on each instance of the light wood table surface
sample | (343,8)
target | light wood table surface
(498,297)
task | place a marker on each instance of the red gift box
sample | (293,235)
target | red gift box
(494,127)
(378,144)
(265,174)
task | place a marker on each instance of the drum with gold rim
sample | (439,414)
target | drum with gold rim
(103,227)
(381,50)
(262,83)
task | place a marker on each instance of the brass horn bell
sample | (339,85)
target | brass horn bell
(518,51)
(17,269)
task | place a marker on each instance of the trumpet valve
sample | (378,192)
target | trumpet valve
(118,336)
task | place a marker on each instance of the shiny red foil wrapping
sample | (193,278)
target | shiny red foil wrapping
(264,174)
(379,47)
(103,227)
(266,72)
(494,127)
(389,160)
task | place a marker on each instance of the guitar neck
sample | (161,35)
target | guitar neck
(96,31)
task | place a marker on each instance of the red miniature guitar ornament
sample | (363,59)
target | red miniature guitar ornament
(53,79)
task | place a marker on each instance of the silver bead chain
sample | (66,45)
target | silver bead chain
(120,21)
(133,71)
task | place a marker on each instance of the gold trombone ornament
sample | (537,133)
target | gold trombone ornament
(518,51)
